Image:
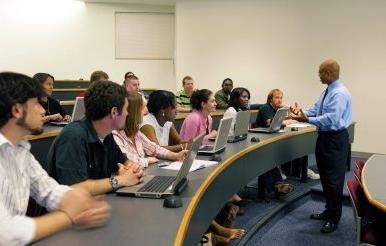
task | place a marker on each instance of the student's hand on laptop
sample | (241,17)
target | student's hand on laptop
(97,213)
(152,160)
(55,117)
(180,156)
(132,165)
(212,134)
(67,118)
(129,176)
(289,122)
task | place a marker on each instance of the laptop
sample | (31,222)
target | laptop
(77,113)
(161,186)
(221,139)
(241,127)
(275,125)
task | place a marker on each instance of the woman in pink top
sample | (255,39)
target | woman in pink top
(134,143)
(199,121)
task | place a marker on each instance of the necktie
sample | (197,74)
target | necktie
(321,104)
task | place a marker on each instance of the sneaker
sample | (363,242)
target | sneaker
(283,176)
(312,175)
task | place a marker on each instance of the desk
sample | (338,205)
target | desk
(374,182)
(138,221)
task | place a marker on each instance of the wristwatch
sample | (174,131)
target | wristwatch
(114,182)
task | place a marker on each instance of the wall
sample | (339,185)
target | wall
(263,44)
(70,39)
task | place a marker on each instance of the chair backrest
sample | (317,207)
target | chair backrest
(358,175)
(359,164)
(358,202)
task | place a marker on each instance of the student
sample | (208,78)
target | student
(158,125)
(54,112)
(131,83)
(238,101)
(134,143)
(222,96)
(183,96)
(199,121)
(96,76)
(85,151)
(21,175)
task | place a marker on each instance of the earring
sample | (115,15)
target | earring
(163,114)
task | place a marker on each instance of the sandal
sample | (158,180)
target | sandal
(283,189)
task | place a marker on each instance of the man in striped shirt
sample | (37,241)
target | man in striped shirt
(183,96)
(21,176)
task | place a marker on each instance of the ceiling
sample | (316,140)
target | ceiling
(153,2)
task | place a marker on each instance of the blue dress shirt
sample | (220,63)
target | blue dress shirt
(335,112)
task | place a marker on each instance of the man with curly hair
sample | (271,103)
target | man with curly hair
(85,152)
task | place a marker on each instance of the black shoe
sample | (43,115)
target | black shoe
(321,216)
(328,227)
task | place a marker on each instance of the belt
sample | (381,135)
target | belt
(332,132)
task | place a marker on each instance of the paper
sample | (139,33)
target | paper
(197,164)
(299,125)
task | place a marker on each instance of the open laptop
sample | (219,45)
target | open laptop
(221,139)
(241,127)
(161,186)
(77,113)
(275,125)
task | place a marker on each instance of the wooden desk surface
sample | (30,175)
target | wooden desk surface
(374,181)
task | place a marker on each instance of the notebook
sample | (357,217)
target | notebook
(275,125)
(221,139)
(241,127)
(77,113)
(161,186)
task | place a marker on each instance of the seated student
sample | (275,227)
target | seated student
(131,83)
(222,96)
(268,111)
(85,152)
(238,101)
(158,125)
(271,180)
(134,143)
(199,121)
(96,76)
(54,112)
(183,96)
(22,176)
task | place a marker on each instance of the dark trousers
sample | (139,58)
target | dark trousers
(331,157)
(267,181)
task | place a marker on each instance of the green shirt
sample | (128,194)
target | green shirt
(222,99)
(183,100)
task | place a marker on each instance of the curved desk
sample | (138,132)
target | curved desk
(374,182)
(140,221)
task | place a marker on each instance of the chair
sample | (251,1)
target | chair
(358,175)
(359,164)
(365,232)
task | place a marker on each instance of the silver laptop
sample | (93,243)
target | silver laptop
(77,113)
(221,139)
(275,125)
(160,186)
(241,127)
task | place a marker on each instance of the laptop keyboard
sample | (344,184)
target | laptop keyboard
(206,148)
(157,184)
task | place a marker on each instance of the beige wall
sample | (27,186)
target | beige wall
(264,44)
(72,39)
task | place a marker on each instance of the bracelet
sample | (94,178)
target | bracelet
(68,216)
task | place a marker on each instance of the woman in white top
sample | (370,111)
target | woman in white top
(134,143)
(238,101)
(158,124)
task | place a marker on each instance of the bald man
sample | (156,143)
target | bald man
(332,115)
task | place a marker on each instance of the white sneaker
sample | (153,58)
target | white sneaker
(282,175)
(312,175)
